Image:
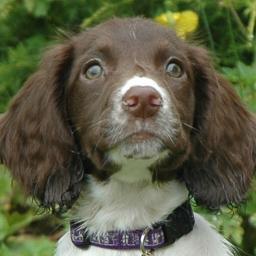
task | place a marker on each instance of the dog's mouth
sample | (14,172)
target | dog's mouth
(140,136)
(140,145)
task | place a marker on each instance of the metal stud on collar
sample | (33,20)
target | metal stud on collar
(144,251)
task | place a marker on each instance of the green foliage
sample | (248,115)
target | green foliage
(26,246)
(20,62)
(27,27)
(223,23)
(19,222)
(37,8)
(227,222)
(244,78)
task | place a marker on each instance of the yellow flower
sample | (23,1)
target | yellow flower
(184,22)
(165,19)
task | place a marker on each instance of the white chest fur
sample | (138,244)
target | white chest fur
(119,205)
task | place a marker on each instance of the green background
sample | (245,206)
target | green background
(27,27)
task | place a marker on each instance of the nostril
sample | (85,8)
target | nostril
(155,100)
(131,101)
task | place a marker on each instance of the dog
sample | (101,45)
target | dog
(124,123)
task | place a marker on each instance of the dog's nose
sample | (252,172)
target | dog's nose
(142,101)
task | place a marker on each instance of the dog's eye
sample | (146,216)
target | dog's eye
(94,71)
(174,69)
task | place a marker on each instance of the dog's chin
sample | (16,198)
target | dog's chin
(140,146)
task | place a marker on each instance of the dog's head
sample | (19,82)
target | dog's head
(128,89)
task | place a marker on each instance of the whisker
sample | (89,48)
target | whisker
(189,126)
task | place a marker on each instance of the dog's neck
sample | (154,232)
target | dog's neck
(119,205)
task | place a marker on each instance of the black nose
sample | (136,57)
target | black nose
(142,101)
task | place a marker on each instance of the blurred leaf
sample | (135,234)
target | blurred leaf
(5,8)
(38,8)
(21,61)
(244,78)
(30,5)
(227,222)
(107,10)
(4,250)
(4,226)
(17,221)
(253,218)
(5,181)
(27,246)
(249,208)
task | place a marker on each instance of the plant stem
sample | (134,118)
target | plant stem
(207,27)
(230,29)
(252,21)
(237,19)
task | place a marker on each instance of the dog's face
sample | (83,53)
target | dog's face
(131,92)
(128,89)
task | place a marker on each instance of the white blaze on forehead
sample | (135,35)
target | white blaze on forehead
(144,81)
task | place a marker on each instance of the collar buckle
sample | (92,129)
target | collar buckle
(143,237)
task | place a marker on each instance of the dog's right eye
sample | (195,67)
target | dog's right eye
(94,71)
(174,69)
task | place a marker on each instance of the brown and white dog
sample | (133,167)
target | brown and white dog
(126,120)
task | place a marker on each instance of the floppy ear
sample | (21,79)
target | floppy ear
(224,139)
(36,143)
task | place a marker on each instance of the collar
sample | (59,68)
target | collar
(177,224)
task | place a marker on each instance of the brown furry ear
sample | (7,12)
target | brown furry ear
(224,140)
(36,143)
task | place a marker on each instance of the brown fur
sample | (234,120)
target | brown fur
(224,143)
(36,143)
(215,158)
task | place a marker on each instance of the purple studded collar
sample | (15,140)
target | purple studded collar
(180,222)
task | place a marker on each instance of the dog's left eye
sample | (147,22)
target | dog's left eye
(174,69)
(94,71)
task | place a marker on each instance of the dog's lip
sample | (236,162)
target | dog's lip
(137,137)
(141,136)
